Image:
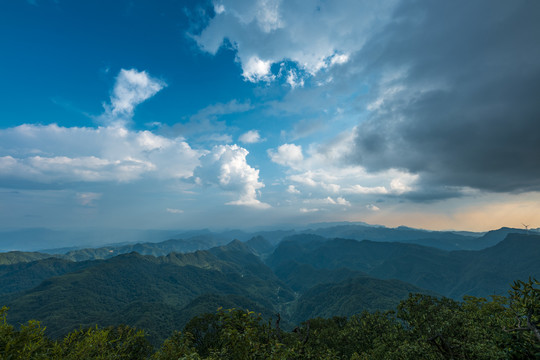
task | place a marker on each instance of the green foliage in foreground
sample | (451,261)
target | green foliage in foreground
(423,327)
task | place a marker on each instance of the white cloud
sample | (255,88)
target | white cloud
(293,190)
(329,201)
(325,172)
(304,179)
(342,201)
(132,87)
(403,183)
(359,189)
(339,59)
(294,80)
(287,155)
(50,153)
(250,137)
(219,8)
(226,166)
(314,35)
(268,15)
(306,210)
(256,69)
(316,179)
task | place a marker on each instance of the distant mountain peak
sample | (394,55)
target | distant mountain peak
(235,245)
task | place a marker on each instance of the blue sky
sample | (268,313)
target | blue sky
(234,114)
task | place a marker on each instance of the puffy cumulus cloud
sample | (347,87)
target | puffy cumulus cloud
(456,98)
(313,34)
(226,166)
(324,176)
(287,155)
(50,153)
(372,207)
(256,69)
(132,87)
(250,137)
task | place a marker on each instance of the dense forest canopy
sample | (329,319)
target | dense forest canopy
(422,327)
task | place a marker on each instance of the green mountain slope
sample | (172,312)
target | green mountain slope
(351,296)
(14,257)
(453,274)
(26,275)
(356,255)
(112,290)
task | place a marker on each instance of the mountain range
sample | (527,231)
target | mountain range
(298,274)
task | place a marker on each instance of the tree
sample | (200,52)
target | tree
(29,342)
(525,307)
(441,328)
(119,342)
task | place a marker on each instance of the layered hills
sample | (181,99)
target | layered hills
(115,242)
(159,286)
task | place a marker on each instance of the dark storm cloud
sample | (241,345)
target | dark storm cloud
(465,111)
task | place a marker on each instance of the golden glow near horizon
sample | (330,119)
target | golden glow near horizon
(484,215)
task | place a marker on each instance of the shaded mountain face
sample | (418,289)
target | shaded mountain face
(260,246)
(493,237)
(453,274)
(445,240)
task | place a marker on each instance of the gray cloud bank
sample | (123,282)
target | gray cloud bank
(458,97)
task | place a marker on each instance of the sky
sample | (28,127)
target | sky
(245,113)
